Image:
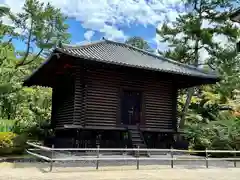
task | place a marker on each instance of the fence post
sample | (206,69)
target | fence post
(235,156)
(206,158)
(138,158)
(51,161)
(171,151)
(97,163)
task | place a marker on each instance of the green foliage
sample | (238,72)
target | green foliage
(209,124)
(189,34)
(139,42)
(11,143)
(227,62)
(198,136)
(6,125)
(41,27)
(226,132)
(33,115)
(6,139)
(4,10)
(212,119)
(222,133)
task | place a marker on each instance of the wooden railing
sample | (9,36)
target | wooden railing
(98,158)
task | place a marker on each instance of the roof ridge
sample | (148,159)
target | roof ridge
(81,46)
(235,12)
(158,56)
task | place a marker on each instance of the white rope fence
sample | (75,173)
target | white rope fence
(137,158)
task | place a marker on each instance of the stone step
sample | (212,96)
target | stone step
(136,136)
(137,141)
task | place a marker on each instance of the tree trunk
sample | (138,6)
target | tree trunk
(190,91)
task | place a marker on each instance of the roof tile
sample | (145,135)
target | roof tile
(125,55)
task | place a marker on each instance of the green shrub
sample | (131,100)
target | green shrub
(6,125)
(34,130)
(6,139)
(11,143)
(221,134)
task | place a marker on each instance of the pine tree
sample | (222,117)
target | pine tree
(4,10)
(42,26)
(189,35)
(139,42)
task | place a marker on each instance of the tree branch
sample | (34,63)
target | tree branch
(28,46)
(34,58)
(37,55)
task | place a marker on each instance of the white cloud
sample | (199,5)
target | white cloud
(161,46)
(8,21)
(112,33)
(96,15)
(221,39)
(88,35)
(203,55)
(15,5)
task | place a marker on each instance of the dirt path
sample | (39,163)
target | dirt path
(17,171)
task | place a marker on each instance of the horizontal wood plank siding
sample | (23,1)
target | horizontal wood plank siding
(79,97)
(103,104)
(159,104)
(101,98)
(64,101)
(174,107)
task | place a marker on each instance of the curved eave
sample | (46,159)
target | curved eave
(235,16)
(29,81)
(213,77)
(44,75)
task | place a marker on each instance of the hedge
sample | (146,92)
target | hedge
(11,143)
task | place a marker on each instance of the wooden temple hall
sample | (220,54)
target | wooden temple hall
(114,95)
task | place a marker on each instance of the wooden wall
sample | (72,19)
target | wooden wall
(92,97)
(102,97)
(159,104)
(79,97)
(63,101)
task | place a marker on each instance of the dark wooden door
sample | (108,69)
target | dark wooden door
(131,107)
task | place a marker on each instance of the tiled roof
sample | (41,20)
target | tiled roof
(125,55)
(235,16)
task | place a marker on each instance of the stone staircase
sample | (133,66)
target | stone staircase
(137,140)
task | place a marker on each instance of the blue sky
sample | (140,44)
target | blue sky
(90,20)
(77,32)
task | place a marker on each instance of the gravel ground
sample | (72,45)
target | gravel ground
(39,171)
(124,170)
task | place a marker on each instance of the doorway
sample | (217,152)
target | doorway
(131,107)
